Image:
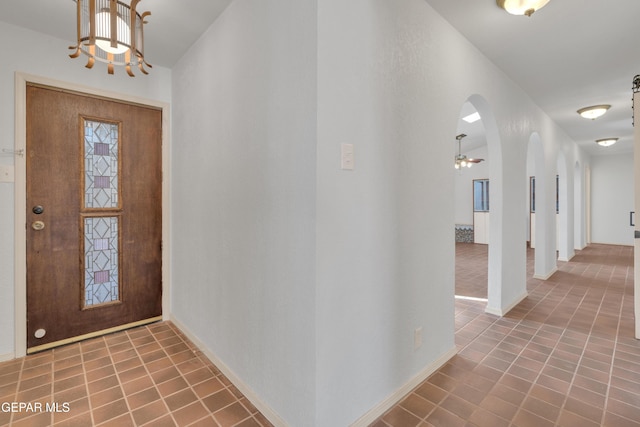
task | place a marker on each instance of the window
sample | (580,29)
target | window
(557,194)
(532,194)
(481,195)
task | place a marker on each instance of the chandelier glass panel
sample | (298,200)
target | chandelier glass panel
(111,31)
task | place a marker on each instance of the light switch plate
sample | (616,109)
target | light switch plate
(347,158)
(7,173)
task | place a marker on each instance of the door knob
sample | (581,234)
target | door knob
(38,225)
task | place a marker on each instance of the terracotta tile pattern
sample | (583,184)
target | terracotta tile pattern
(147,376)
(566,356)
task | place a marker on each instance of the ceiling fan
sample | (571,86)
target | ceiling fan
(461,161)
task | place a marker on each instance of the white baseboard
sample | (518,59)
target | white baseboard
(251,395)
(501,312)
(567,259)
(277,421)
(6,357)
(494,311)
(396,396)
(537,276)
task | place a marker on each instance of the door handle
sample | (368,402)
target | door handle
(37,225)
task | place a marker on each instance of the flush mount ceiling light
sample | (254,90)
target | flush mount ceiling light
(111,31)
(594,111)
(462,161)
(521,7)
(606,142)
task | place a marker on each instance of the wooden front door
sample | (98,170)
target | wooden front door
(94,216)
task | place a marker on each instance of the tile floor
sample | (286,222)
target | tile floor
(148,376)
(565,356)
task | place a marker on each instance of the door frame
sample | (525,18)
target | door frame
(20,194)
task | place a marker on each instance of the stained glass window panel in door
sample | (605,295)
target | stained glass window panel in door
(100,164)
(101,270)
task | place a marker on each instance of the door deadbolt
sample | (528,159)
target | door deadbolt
(38,225)
(37,209)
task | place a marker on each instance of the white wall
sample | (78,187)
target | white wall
(392,79)
(47,57)
(353,261)
(612,199)
(244,193)
(636,244)
(385,230)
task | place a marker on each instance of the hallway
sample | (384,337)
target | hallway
(565,356)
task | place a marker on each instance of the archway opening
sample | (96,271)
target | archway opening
(485,143)
(472,201)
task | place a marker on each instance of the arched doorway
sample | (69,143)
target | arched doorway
(472,205)
(500,298)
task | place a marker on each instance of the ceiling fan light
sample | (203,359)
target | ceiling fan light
(606,142)
(521,7)
(594,111)
(461,160)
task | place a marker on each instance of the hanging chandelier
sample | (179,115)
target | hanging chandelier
(462,161)
(111,31)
